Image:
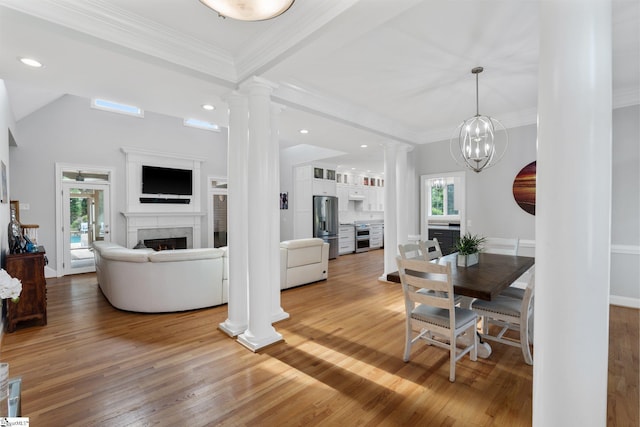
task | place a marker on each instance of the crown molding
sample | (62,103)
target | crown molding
(100,19)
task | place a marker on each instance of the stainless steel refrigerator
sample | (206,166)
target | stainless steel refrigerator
(325,222)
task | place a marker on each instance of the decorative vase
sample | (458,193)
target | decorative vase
(467,260)
(14,234)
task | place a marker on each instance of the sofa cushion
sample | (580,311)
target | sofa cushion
(301,243)
(124,254)
(186,254)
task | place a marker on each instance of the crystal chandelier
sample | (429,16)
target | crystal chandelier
(480,141)
(249,10)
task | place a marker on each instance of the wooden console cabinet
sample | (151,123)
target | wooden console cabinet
(32,305)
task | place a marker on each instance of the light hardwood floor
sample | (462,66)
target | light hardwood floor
(340,364)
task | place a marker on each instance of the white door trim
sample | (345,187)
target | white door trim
(64,167)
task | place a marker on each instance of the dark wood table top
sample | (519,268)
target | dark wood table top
(492,274)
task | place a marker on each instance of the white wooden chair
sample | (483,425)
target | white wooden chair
(420,250)
(434,314)
(509,314)
(432,248)
(424,249)
(412,251)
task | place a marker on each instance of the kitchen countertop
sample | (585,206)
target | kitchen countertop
(445,227)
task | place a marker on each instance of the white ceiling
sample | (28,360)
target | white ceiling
(353,72)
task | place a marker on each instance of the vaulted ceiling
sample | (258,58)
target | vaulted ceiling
(353,72)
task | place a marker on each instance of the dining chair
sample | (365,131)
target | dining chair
(434,314)
(412,251)
(420,250)
(509,314)
(432,248)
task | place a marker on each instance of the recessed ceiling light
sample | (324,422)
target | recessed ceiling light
(363,146)
(208,107)
(304,131)
(31,62)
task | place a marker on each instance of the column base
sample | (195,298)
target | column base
(254,343)
(231,328)
(279,315)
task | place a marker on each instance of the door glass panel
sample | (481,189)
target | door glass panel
(219,220)
(86,224)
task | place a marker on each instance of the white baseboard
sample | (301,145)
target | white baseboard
(624,301)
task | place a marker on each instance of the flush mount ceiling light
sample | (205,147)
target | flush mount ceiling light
(208,107)
(30,62)
(248,10)
(304,131)
(480,141)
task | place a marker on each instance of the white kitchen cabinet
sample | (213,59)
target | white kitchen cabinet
(324,187)
(343,197)
(346,239)
(376,235)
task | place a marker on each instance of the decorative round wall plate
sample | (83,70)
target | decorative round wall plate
(524,188)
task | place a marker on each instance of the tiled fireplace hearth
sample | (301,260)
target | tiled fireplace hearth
(143,226)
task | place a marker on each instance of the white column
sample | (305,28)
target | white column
(402,199)
(238,219)
(573,218)
(260,333)
(390,209)
(277,313)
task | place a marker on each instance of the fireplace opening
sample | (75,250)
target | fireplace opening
(166,243)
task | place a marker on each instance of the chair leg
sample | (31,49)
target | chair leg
(524,340)
(452,359)
(407,343)
(474,350)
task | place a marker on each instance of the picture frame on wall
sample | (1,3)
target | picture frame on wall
(5,195)
(284,200)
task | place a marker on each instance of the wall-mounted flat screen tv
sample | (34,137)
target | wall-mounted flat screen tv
(157,180)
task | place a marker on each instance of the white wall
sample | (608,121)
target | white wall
(69,131)
(625,205)
(6,123)
(493,211)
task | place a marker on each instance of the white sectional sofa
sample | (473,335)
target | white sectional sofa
(303,261)
(143,280)
(146,281)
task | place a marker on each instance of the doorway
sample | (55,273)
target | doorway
(84,204)
(443,201)
(217,212)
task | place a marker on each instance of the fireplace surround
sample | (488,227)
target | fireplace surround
(161,220)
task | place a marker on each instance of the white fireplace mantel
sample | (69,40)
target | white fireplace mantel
(149,216)
(155,220)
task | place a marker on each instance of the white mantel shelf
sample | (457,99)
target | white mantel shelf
(165,214)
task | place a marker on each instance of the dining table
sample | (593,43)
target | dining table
(485,280)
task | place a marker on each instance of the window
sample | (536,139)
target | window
(116,107)
(442,197)
(442,200)
(201,124)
